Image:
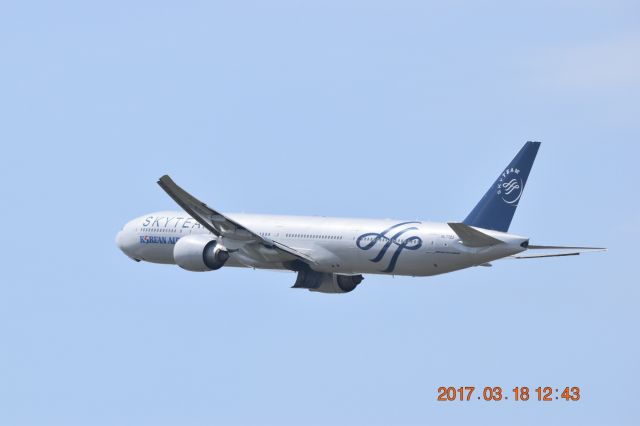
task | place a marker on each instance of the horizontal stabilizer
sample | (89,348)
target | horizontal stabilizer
(538,256)
(571,251)
(471,237)
(532,247)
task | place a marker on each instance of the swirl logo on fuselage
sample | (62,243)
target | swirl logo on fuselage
(383,243)
(510,186)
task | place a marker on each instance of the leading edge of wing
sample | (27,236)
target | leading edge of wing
(197,209)
(218,223)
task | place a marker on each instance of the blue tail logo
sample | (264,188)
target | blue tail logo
(510,186)
(371,239)
(496,209)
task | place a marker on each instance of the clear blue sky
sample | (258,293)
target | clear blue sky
(347,108)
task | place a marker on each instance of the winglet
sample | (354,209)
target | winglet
(471,237)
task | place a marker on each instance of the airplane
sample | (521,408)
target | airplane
(330,255)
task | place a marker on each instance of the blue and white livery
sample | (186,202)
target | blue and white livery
(330,255)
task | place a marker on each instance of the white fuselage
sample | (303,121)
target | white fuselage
(338,245)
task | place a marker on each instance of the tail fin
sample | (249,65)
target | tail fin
(495,210)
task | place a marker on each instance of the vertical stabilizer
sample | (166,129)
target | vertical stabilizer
(496,209)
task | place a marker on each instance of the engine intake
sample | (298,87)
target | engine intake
(199,253)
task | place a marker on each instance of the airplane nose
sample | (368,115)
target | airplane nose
(120,241)
(125,244)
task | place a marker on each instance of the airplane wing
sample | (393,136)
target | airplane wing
(219,224)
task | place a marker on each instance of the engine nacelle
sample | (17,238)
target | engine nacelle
(324,282)
(199,253)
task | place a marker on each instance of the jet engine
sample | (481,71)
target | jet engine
(199,253)
(324,282)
